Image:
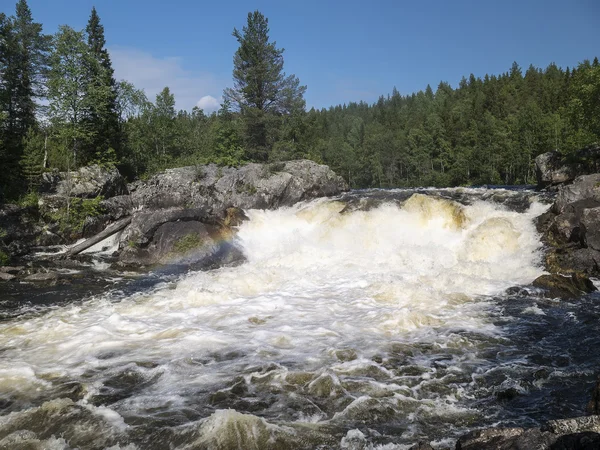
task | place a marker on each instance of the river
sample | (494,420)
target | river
(369,321)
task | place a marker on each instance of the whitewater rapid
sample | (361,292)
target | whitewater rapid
(337,318)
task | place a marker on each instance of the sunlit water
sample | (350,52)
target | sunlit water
(371,321)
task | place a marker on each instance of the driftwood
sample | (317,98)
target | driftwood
(107,232)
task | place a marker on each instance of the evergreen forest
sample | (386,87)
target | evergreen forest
(62,108)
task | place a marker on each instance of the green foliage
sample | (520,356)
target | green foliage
(32,161)
(71,218)
(4,258)
(31,200)
(187,243)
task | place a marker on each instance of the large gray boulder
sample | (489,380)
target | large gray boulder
(86,182)
(214,189)
(177,235)
(550,169)
(553,168)
(585,187)
(571,229)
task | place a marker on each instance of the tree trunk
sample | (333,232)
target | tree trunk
(107,232)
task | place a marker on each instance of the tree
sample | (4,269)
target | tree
(104,116)
(261,88)
(69,92)
(23,58)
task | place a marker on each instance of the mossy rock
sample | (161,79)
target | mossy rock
(559,286)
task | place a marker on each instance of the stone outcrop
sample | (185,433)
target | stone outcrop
(570,229)
(186,214)
(552,168)
(86,182)
(171,212)
(214,189)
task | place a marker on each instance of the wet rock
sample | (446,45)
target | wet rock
(565,434)
(558,286)
(6,276)
(505,439)
(86,182)
(507,394)
(42,277)
(590,228)
(13,270)
(421,446)
(593,407)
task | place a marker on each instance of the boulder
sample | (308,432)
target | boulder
(593,407)
(86,182)
(181,236)
(6,276)
(578,433)
(590,228)
(117,207)
(553,168)
(585,187)
(43,277)
(558,286)
(550,169)
(570,229)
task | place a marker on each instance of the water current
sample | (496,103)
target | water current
(369,321)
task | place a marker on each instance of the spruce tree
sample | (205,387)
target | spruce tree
(23,64)
(104,115)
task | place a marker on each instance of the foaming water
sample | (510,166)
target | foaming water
(344,325)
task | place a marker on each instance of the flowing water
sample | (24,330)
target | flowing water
(370,321)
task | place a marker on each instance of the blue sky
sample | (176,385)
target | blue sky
(342,50)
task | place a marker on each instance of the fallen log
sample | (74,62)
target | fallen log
(107,232)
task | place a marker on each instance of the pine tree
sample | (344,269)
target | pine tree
(104,116)
(261,88)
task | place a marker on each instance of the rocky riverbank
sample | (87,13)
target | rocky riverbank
(184,214)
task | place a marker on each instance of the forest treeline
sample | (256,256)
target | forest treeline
(61,107)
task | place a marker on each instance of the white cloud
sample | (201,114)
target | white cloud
(152,74)
(208,103)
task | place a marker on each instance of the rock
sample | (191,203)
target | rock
(590,228)
(215,189)
(573,260)
(145,223)
(117,207)
(42,277)
(6,276)
(566,434)
(559,286)
(18,229)
(421,446)
(13,270)
(584,187)
(553,168)
(550,169)
(179,235)
(593,406)
(86,182)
